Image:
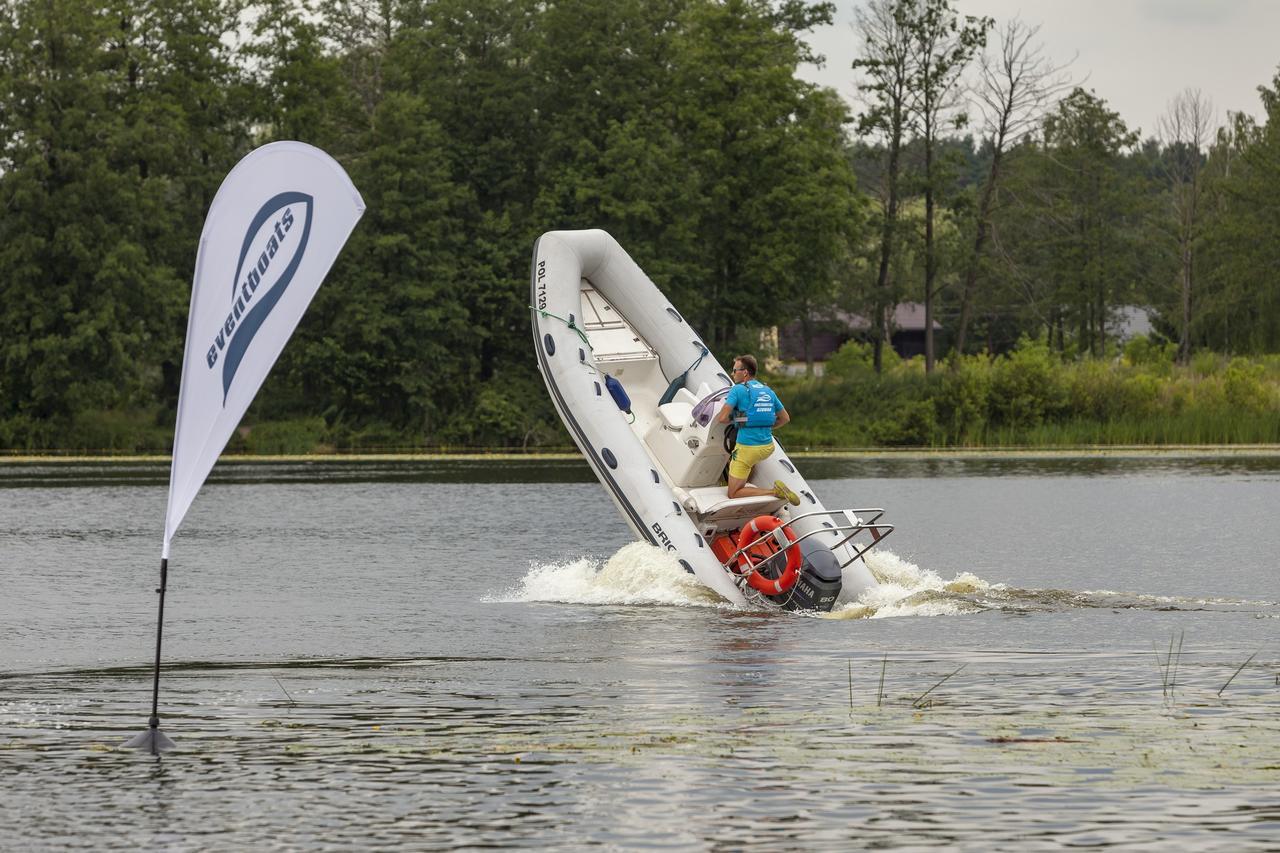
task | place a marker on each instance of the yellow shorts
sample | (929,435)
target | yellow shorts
(747,456)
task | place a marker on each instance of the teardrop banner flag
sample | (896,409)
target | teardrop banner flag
(273,231)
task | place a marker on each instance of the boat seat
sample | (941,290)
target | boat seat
(684,395)
(676,415)
(711,507)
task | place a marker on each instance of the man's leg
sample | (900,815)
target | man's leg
(741,463)
(738,488)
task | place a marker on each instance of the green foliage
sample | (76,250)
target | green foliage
(1244,389)
(505,415)
(861,410)
(472,126)
(1206,363)
(295,436)
(761,151)
(1075,231)
(1105,391)
(914,424)
(1239,303)
(89,431)
(964,399)
(855,359)
(1031,398)
(469,127)
(1027,387)
(942,44)
(1149,351)
(370,437)
(114,125)
(26,433)
(116,431)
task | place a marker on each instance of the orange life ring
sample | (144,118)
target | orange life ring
(755,531)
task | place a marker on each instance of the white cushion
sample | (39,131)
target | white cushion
(684,395)
(676,415)
(712,503)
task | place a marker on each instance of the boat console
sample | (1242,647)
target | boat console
(693,454)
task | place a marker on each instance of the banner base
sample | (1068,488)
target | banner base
(153,741)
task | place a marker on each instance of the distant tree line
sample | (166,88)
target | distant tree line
(472,126)
(1059,213)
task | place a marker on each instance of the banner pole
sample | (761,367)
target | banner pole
(153,740)
(273,231)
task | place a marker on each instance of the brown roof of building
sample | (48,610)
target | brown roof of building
(907,316)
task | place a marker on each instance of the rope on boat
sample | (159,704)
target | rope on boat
(583,335)
(568,322)
(678,382)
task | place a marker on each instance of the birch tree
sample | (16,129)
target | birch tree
(885,68)
(1186,130)
(942,44)
(1015,87)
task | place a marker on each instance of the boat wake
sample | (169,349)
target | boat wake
(640,574)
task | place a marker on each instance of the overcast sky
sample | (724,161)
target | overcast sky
(1135,54)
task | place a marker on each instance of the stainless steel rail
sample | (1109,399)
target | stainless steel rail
(852,525)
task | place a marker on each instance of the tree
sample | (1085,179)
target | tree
(1073,236)
(1240,310)
(114,117)
(608,154)
(885,66)
(941,45)
(1186,130)
(473,63)
(824,206)
(394,344)
(305,91)
(358,34)
(767,189)
(1014,89)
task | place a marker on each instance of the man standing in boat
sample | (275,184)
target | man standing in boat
(758,412)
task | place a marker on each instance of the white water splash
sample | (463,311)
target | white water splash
(905,589)
(638,573)
(641,574)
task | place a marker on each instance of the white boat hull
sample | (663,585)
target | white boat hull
(597,315)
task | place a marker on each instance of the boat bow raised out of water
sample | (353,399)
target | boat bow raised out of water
(640,394)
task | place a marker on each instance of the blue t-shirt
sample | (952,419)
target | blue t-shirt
(760,405)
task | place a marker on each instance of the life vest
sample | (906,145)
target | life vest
(759,411)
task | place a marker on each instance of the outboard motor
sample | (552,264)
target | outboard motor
(820,579)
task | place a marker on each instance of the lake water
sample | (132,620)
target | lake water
(455,653)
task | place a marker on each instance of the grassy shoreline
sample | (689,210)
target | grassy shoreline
(1030,400)
(1084,451)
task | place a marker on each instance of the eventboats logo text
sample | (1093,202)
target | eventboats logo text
(273,246)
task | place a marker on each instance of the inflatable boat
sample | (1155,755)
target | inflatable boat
(640,394)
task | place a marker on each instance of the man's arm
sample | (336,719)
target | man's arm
(784,418)
(730,406)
